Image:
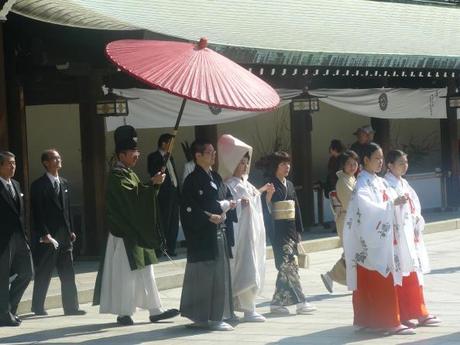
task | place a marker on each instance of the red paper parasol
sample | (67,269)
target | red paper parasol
(194,72)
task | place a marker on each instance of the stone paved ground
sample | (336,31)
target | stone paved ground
(331,324)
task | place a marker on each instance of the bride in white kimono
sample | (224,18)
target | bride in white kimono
(248,263)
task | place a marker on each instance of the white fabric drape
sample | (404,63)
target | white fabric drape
(388,103)
(158,109)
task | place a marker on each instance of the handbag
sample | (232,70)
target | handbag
(303,260)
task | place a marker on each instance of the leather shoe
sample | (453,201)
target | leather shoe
(40,312)
(165,315)
(125,320)
(75,312)
(8,319)
(17,318)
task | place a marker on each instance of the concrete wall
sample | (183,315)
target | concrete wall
(56,126)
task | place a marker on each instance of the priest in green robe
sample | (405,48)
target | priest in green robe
(127,277)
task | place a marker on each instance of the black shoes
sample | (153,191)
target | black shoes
(168,314)
(125,320)
(40,312)
(9,320)
(75,312)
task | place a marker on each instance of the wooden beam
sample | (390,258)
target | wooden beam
(16,116)
(450,152)
(92,134)
(302,163)
(3,110)
(382,133)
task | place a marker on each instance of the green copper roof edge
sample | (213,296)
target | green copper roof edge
(326,59)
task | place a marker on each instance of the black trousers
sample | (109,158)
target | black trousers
(15,260)
(62,259)
(169,213)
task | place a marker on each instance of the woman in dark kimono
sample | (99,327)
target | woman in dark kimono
(284,226)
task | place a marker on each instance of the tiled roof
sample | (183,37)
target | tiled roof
(352,31)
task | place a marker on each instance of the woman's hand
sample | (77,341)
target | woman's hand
(266,187)
(270,192)
(244,202)
(400,200)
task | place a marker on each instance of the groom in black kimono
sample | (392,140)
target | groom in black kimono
(207,214)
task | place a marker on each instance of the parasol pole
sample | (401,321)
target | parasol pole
(176,128)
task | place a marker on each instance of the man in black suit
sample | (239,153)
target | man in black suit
(168,195)
(53,224)
(15,257)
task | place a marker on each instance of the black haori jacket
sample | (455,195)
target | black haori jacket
(201,195)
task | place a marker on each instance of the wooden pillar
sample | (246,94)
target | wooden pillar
(94,167)
(450,152)
(301,127)
(382,133)
(3,110)
(16,114)
(207,132)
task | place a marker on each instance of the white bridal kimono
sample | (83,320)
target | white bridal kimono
(374,236)
(248,263)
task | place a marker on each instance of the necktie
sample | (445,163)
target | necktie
(11,190)
(56,187)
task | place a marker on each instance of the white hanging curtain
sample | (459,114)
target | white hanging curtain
(158,109)
(388,103)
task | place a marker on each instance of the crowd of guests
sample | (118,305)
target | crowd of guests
(225,220)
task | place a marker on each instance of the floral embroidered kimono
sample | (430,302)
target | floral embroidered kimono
(411,224)
(284,236)
(373,264)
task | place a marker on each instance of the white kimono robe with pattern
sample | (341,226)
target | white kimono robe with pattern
(369,235)
(411,225)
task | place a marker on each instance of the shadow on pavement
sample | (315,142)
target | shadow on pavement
(446,270)
(311,298)
(131,336)
(337,336)
(453,338)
